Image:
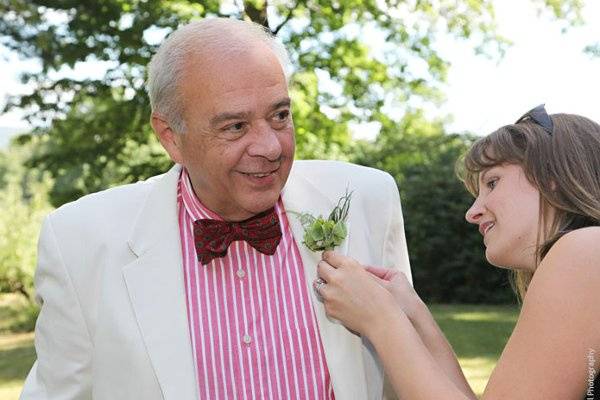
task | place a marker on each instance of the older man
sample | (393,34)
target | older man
(196,284)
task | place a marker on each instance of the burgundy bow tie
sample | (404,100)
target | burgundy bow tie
(213,237)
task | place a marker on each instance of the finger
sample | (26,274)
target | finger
(339,261)
(380,281)
(398,275)
(379,272)
(318,285)
(324,291)
(325,271)
(386,274)
(327,253)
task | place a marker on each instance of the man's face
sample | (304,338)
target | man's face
(239,142)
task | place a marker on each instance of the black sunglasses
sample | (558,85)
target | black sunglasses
(540,117)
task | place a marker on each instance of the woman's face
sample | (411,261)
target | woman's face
(507,212)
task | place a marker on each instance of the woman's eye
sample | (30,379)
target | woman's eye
(492,183)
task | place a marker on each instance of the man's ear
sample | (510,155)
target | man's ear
(169,139)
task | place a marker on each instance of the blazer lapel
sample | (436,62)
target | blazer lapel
(343,350)
(155,284)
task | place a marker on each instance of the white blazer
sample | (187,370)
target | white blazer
(113,322)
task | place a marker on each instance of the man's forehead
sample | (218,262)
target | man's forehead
(245,83)
(216,59)
(233,74)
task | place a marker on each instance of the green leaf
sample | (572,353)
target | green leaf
(339,231)
(317,230)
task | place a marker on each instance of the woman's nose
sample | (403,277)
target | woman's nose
(475,212)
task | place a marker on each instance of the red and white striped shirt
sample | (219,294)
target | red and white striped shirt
(252,326)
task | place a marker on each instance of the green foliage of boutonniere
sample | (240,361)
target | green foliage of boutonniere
(322,234)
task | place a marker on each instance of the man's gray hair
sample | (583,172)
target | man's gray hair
(167,65)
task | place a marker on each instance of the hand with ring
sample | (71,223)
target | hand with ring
(318,284)
(351,294)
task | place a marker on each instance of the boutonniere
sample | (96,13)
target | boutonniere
(322,234)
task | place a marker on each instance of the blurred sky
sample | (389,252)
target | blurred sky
(544,65)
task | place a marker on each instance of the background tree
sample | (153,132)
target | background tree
(98,126)
(354,61)
(24,199)
(446,253)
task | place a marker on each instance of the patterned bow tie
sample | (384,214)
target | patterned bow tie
(213,237)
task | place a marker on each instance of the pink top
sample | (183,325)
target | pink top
(252,326)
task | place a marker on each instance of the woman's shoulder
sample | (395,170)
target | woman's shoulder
(579,245)
(558,322)
(573,261)
(587,233)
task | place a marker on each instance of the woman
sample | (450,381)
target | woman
(537,188)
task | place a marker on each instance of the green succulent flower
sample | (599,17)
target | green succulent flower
(322,234)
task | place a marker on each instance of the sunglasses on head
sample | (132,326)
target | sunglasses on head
(539,116)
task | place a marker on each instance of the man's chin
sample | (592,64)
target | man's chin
(257,208)
(261,202)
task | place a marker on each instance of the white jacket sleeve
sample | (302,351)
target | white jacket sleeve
(395,252)
(62,340)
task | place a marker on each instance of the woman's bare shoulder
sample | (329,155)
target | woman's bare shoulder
(588,235)
(544,357)
(571,269)
(577,249)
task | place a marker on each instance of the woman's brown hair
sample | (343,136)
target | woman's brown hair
(563,165)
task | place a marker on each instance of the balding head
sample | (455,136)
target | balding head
(204,41)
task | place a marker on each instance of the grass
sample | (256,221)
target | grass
(17,318)
(477,333)
(16,357)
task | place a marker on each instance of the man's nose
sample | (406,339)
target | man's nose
(266,143)
(475,212)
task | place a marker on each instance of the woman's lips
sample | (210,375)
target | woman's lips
(485,227)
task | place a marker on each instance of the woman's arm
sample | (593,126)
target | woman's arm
(547,356)
(439,348)
(356,298)
(422,320)
(415,373)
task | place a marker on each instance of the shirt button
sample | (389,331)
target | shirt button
(247,339)
(241,273)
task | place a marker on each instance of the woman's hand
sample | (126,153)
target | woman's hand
(398,285)
(353,295)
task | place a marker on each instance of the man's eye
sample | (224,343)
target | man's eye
(282,115)
(238,126)
(492,183)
